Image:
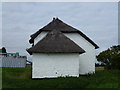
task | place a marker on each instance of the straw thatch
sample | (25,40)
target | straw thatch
(55,42)
(61,26)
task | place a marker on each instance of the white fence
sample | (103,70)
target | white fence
(11,61)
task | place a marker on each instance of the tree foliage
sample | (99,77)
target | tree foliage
(110,57)
(3,50)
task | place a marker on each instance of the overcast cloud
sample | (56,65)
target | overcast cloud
(97,20)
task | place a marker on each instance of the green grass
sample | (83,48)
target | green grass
(21,78)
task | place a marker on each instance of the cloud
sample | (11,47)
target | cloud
(0,25)
(97,20)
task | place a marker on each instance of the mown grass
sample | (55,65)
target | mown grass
(21,78)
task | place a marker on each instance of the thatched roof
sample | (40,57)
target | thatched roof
(61,26)
(55,42)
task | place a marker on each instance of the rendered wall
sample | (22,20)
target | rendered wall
(87,59)
(55,65)
(39,37)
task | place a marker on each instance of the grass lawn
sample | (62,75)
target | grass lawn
(21,78)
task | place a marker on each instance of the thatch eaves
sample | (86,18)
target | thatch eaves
(55,42)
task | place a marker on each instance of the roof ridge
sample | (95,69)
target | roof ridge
(58,24)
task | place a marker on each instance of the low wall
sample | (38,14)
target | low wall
(11,61)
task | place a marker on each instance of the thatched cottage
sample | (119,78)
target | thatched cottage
(60,50)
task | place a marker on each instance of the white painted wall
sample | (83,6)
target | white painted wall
(55,65)
(87,59)
(39,37)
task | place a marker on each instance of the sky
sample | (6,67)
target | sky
(97,20)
